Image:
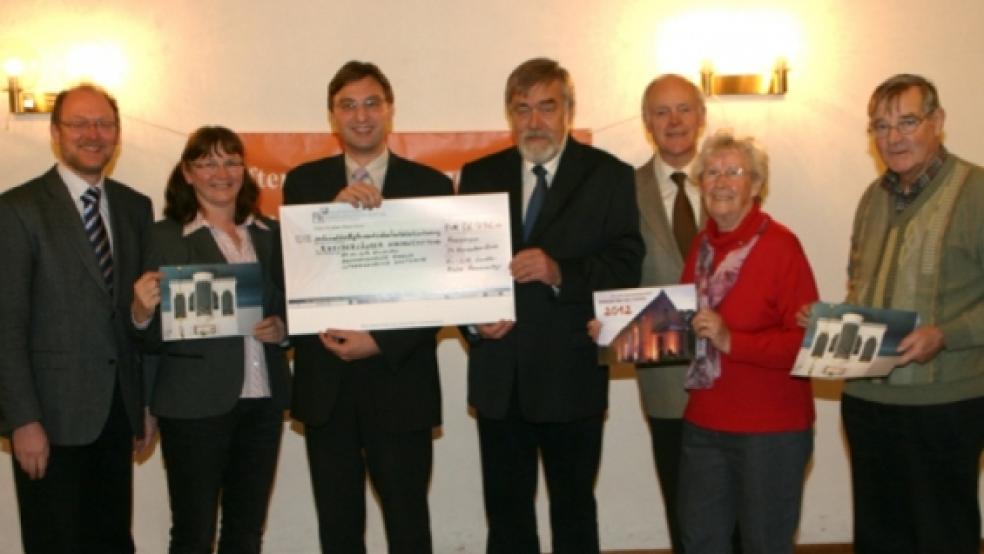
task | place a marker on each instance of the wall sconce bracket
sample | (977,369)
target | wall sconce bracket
(744,84)
(25,102)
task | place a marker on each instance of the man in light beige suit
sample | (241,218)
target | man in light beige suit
(670,214)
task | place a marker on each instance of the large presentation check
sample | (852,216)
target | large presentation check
(420,262)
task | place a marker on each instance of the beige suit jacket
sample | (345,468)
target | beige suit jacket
(663,395)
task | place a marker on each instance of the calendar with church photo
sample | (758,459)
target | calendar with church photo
(648,326)
(205,301)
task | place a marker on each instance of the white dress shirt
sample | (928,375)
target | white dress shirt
(256,381)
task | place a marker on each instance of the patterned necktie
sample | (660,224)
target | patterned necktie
(96,231)
(536,200)
(361,175)
(684,224)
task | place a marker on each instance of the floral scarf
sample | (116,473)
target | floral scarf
(711,290)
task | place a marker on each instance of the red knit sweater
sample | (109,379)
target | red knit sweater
(755,393)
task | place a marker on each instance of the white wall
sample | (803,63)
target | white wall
(264,67)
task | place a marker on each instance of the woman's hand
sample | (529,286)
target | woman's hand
(271,330)
(146,296)
(594,329)
(803,315)
(708,324)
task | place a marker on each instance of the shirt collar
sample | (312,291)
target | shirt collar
(200,221)
(663,171)
(76,184)
(892,182)
(376,167)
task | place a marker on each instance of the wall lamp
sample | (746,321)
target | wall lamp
(23,101)
(756,84)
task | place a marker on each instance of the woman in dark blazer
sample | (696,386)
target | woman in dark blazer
(219,401)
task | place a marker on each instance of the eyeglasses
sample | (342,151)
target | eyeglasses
(349,105)
(729,172)
(906,125)
(80,125)
(544,107)
(212,166)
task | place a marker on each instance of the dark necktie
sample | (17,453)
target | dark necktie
(96,231)
(684,224)
(536,200)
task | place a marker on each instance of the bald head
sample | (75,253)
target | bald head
(673,111)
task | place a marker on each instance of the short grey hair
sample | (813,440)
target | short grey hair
(892,88)
(539,71)
(755,156)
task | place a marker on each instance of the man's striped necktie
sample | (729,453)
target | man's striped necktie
(96,231)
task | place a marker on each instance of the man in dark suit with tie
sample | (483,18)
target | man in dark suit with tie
(70,379)
(369,400)
(535,383)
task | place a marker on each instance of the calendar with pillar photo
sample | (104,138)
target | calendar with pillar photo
(646,326)
(203,301)
(843,341)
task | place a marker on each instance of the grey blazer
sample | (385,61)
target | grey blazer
(65,337)
(204,377)
(663,395)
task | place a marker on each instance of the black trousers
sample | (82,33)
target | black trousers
(915,472)
(571,453)
(666,436)
(228,460)
(399,464)
(84,503)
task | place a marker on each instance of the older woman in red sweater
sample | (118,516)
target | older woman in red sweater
(748,425)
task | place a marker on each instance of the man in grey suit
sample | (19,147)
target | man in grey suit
(70,382)
(669,216)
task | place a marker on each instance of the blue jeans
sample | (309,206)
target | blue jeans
(754,479)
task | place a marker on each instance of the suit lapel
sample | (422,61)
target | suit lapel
(650,200)
(327,179)
(337,177)
(511,182)
(262,243)
(394,183)
(66,222)
(202,247)
(119,227)
(563,186)
(116,212)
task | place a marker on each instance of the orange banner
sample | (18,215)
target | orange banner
(269,156)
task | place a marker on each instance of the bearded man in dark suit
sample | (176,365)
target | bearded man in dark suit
(535,383)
